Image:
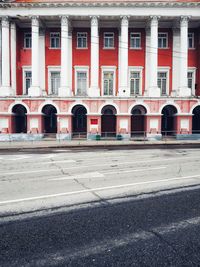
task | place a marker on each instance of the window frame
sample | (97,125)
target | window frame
(81,69)
(50,38)
(50,70)
(25,47)
(78,47)
(24,70)
(140,70)
(193,71)
(140,36)
(167,71)
(108,69)
(110,47)
(193,46)
(167,40)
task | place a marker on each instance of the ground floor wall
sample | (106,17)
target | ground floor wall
(129,118)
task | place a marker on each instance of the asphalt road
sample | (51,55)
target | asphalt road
(100,208)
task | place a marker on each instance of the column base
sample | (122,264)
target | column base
(93,92)
(64,92)
(123,92)
(6,91)
(184,92)
(34,91)
(153,92)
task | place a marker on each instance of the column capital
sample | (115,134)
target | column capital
(184,21)
(35,21)
(124,20)
(94,20)
(154,20)
(64,20)
(5,21)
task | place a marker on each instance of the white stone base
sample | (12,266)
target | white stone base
(34,91)
(64,92)
(153,92)
(124,92)
(93,92)
(6,91)
(184,92)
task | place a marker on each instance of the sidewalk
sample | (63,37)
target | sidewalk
(17,146)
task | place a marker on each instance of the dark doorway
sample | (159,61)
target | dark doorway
(138,120)
(108,121)
(168,120)
(19,119)
(196,120)
(79,120)
(49,119)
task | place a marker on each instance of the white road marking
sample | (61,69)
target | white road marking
(100,175)
(55,162)
(97,165)
(98,189)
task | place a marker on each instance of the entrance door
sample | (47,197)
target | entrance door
(138,120)
(49,119)
(19,119)
(196,121)
(168,120)
(79,119)
(108,122)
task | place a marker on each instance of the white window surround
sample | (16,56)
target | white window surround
(136,69)
(24,43)
(77,47)
(52,69)
(193,70)
(167,70)
(83,69)
(107,48)
(193,46)
(106,69)
(24,70)
(54,48)
(167,40)
(135,48)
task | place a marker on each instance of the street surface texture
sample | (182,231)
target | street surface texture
(100,207)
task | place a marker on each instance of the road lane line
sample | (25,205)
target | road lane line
(136,170)
(55,162)
(97,165)
(97,189)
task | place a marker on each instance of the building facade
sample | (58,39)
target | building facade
(99,67)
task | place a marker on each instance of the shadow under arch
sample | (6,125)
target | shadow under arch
(108,121)
(168,122)
(196,120)
(138,120)
(19,119)
(49,119)
(79,120)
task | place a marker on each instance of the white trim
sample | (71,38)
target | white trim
(172,103)
(48,102)
(109,103)
(167,70)
(112,47)
(77,47)
(107,69)
(81,69)
(25,69)
(18,102)
(52,69)
(76,103)
(136,69)
(55,48)
(135,48)
(193,70)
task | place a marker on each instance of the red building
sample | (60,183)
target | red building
(99,67)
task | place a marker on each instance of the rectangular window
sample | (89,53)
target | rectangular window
(27,40)
(54,40)
(55,82)
(135,40)
(108,83)
(190,80)
(190,40)
(81,83)
(28,81)
(109,40)
(162,82)
(81,40)
(135,83)
(162,40)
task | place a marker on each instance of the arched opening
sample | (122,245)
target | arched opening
(49,119)
(108,121)
(138,120)
(19,119)
(168,124)
(196,120)
(79,120)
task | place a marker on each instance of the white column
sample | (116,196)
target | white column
(5,89)
(35,89)
(153,90)
(13,56)
(65,89)
(183,86)
(124,89)
(94,70)
(175,61)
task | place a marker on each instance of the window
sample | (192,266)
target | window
(81,89)
(55,40)
(27,40)
(81,40)
(190,40)
(135,83)
(108,83)
(28,81)
(109,40)
(191,75)
(135,41)
(55,82)
(162,82)
(162,40)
